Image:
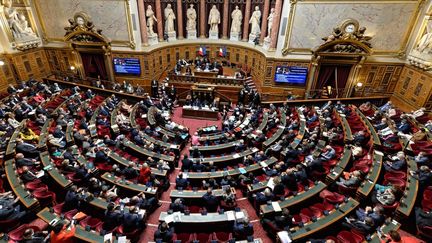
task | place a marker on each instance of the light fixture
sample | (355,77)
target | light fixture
(358,86)
(72,68)
(2,63)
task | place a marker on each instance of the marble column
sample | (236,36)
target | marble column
(246,20)
(180,19)
(203,21)
(160,21)
(143,22)
(225,20)
(276,22)
(264,24)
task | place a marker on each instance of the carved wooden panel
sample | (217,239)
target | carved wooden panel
(379,78)
(31,64)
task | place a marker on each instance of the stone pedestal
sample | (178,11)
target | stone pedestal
(191,34)
(252,38)
(267,42)
(172,36)
(213,35)
(153,39)
(235,36)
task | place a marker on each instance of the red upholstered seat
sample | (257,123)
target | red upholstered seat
(45,197)
(346,237)
(90,221)
(16,234)
(425,232)
(184,237)
(222,236)
(130,235)
(58,209)
(395,182)
(203,237)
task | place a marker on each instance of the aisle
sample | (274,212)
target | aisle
(243,203)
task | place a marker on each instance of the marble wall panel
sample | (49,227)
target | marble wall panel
(108,15)
(387,22)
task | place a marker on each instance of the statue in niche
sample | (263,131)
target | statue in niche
(18,23)
(169,19)
(270,22)
(214,19)
(191,18)
(425,43)
(237,17)
(151,19)
(255,21)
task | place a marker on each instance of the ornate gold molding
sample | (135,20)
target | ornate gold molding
(285,49)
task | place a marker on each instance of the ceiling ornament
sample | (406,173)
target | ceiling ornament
(347,38)
(82,31)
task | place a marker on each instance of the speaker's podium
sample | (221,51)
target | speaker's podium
(207,113)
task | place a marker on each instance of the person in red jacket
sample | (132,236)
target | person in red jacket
(144,174)
(61,234)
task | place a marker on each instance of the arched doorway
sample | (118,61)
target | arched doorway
(92,49)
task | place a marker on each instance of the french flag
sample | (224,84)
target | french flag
(202,51)
(222,51)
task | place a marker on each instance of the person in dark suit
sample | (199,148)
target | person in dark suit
(21,161)
(132,220)
(154,88)
(29,236)
(113,218)
(242,229)
(29,150)
(396,163)
(186,163)
(359,138)
(211,202)
(404,127)
(354,180)
(9,211)
(365,226)
(72,199)
(423,218)
(280,222)
(375,213)
(181,182)
(130,172)
(27,175)
(164,232)
(177,206)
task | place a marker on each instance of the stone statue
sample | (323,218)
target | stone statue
(237,17)
(169,19)
(17,22)
(425,43)
(214,19)
(270,22)
(191,18)
(151,19)
(255,22)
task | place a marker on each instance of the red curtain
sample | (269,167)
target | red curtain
(327,76)
(94,65)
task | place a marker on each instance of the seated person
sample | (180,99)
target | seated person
(177,206)
(395,163)
(228,198)
(130,172)
(113,218)
(132,220)
(352,179)
(423,218)
(376,213)
(29,236)
(365,226)
(211,202)
(28,135)
(242,229)
(61,234)
(386,195)
(328,154)
(280,222)
(164,232)
(181,183)
(421,159)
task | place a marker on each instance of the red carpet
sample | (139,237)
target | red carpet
(192,124)
(243,203)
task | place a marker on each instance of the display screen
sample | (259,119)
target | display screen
(127,66)
(291,75)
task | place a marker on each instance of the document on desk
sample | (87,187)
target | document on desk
(270,183)
(276,207)
(169,218)
(121,239)
(242,170)
(263,164)
(284,237)
(235,156)
(239,215)
(108,238)
(230,215)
